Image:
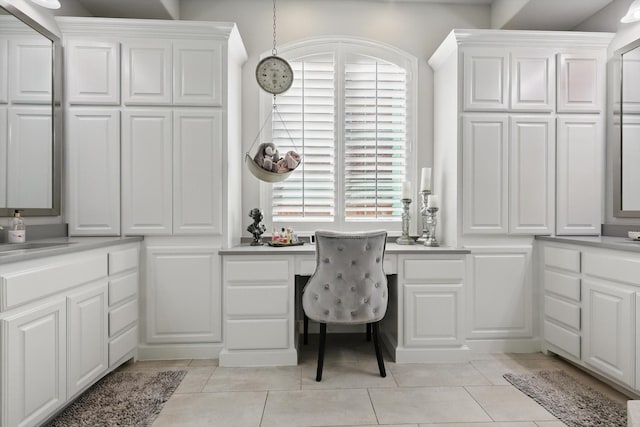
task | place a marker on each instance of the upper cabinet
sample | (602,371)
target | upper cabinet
(533,78)
(146,73)
(28,84)
(580,82)
(486,83)
(93,69)
(197,78)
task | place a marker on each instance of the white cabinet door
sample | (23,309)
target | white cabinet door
(432,315)
(4,71)
(34,364)
(197,172)
(500,297)
(183,295)
(486,79)
(4,136)
(146,73)
(579,175)
(30,71)
(29,154)
(533,78)
(146,172)
(532,175)
(93,72)
(87,336)
(93,172)
(581,82)
(198,73)
(485,175)
(608,330)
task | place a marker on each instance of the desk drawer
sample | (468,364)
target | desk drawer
(259,334)
(307,266)
(562,338)
(433,270)
(257,300)
(122,288)
(123,260)
(562,284)
(122,317)
(562,311)
(257,270)
(566,259)
(123,345)
(622,267)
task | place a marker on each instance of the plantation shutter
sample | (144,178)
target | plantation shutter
(375,139)
(308,113)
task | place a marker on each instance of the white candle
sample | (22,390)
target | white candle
(433,201)
(425,180)
(406,190)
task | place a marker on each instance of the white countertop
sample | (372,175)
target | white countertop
(310,249)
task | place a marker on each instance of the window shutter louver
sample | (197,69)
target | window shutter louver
(375,146)
(307,111)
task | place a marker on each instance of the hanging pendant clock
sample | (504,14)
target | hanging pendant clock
(274,75)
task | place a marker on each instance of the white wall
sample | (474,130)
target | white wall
(71,8)
(417,28)
(608,19)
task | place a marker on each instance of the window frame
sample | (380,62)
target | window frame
(341,48)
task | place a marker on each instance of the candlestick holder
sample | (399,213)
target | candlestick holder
(423,213)
(406,217)
(432,222)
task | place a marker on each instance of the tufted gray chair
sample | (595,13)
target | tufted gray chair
(349,285)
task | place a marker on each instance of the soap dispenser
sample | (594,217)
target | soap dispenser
(17,232)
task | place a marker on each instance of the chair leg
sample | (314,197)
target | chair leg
(323,337)
(305,340)
(368,332)
(376,344)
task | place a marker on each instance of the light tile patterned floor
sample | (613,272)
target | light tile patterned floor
(352,393)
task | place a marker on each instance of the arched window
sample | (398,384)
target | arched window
(351,114)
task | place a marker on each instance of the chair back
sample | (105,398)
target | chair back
(349,285)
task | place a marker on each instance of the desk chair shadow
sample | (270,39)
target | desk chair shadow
(349,286)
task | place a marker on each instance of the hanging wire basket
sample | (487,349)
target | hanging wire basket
(255,169)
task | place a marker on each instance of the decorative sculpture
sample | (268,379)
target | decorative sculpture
(256,228)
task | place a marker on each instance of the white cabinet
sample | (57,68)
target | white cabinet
(93,72)
(183,294)
(87,337)
(147,172)
(531,175)
(579,174)
(533,77)
(29,154)
(4,78)
(93,171)
(485,176)
(30,71)
(34,364)
(197,172)
(609,329)
(500,296)
(508,177)
(486,82)
(580,82)
(198,73)
(146,72)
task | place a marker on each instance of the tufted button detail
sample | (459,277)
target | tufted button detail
(377,285)
(326,312)
(354,262)
(378,259)
(340,248)
(339,275)
(326,260)
(338,301)
(368,247)
(384,294)
(326,286)
(367,275)
(366,300)
(316,297)
(353,313)
(353,289)
(375,310)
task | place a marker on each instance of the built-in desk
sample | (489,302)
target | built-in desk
(424,321)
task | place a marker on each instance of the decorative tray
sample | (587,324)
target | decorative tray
(284,245)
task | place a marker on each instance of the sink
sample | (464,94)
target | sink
(12,247)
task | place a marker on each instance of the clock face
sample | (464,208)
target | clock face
(274,75)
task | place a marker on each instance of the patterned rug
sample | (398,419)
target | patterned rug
(574,403)
(121,398)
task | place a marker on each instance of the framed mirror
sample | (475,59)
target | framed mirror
(30,115)
(626,121)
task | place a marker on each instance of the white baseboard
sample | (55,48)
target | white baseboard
(507,345)
(433,355)
(248,358)
(178,351)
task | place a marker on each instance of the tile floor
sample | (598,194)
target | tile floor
(352,392)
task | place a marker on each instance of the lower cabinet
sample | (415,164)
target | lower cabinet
(34,364)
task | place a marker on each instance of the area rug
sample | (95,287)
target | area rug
(574,403)
(121,398)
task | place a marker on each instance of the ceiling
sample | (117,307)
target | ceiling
(507,14)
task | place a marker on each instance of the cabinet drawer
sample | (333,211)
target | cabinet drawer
(619,268)
(122,317)
(123,260)
(255,270)
(257,300)
(562,338)
(433,270)
(257,334)
(562,284)
(123,288)
(24,286)
(123,345)
(307,266)
(566,259)
(562,311)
